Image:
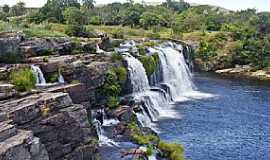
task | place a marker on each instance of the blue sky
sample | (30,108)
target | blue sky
(261,5)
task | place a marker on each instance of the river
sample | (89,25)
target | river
(232,125)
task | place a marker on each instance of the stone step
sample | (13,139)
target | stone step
(3,116)
(7,130)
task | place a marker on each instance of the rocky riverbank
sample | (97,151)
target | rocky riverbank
(57,119)
(247,72)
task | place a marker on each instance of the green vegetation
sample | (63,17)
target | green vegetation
(246,32)
(52,78)
(10,58)
(75,81)
(23,79)
(116,57)
(115,81)
(150,63)
(113,102)
(172,150)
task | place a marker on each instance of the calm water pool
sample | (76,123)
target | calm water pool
(233,125)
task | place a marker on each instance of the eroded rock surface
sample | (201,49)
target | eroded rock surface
(48,126)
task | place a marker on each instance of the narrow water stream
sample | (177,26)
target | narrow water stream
(233,125)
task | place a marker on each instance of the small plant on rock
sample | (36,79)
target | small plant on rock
(23,79)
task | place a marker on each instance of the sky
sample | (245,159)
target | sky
(260,5)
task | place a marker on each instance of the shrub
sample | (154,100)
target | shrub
(121,74)
(53,77)
(74,30)
(113,102)
(141,50)
(117,33)
(150,64)
(144,139)
(116,57)
(95,20)
(172,150)
(153,35)
(23,79)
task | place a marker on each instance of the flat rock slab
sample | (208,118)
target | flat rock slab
(28,108)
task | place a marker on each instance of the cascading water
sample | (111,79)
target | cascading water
(154,102)
(40,80)
(61,79)
(103,139)
(175,72)
(138,78)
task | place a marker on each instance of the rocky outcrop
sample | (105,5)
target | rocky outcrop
(49,126)
(6,91)
(9,45)
(246,71)
(15,47)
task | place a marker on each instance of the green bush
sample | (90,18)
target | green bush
(144,139)
(121,74)
(113,102)
(23,79)
(153,35)
(206,50)
(53,77)
(74,30)
(150,63)
(95,20)
(172,150)
(117,33)
(116,57)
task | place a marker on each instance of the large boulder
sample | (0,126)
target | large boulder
(46,46)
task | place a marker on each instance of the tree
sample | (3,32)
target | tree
(149,19)
(133,14)
(6,8)
(54,9)
(74,16)
(18,9)
(89,4)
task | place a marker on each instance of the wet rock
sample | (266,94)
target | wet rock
(124,113)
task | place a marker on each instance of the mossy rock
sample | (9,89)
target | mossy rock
(150,63)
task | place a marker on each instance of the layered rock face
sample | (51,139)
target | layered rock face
(45,126)
(16,44)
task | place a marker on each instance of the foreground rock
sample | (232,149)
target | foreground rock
(49,126)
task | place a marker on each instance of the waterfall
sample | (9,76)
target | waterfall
(61,79)
(138,78)
(175,71)
(40,80)
(98,50)
(153,102)
(103,139)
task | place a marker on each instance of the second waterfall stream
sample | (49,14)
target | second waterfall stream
(172,79)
